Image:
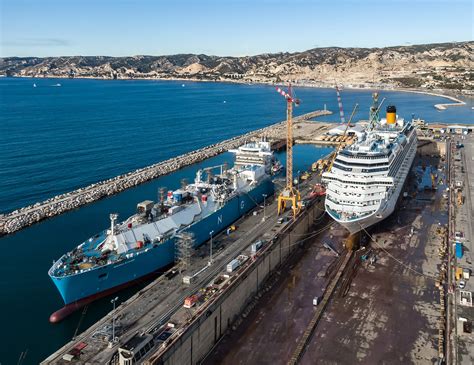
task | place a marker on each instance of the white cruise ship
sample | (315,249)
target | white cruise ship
(366,178)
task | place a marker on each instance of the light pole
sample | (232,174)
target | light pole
(298,184)
(210,248)
(264,197)
(113,318)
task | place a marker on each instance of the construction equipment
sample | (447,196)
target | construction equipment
(374,111)
(460,198)
(339,103)
(289,194)
(336,151)
(433,181)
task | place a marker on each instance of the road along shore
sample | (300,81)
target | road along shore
(26,216)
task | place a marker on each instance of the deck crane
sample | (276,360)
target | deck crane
(318,189)
(374,111)
(373,118)
(289,194)
(339,145)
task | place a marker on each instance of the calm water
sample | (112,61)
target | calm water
(54,139)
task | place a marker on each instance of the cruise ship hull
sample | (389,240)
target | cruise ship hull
(356,225)
(91,283)
(385,209)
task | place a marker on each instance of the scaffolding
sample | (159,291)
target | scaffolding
(183,249)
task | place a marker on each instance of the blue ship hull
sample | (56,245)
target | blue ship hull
(104,278)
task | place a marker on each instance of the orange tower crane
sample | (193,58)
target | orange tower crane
(289,194)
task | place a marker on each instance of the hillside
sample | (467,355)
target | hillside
(430,66)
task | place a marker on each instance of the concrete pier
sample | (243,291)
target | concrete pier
(24,217)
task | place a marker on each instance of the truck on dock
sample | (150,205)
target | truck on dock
(236,263)
(191,301)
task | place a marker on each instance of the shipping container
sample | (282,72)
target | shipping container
(188,279)
(256,246)
(234,264)
(459,250)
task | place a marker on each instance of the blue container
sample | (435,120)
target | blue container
(177,196)
(459,250)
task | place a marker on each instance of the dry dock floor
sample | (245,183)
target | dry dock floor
(271,331)
(389,315)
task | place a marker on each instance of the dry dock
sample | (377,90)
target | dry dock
(185,335)
(389,306)
(29,215)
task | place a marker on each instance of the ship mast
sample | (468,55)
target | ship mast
(113,218)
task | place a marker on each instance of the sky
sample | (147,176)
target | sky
(224,27)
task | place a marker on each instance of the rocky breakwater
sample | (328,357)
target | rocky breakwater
(20,218)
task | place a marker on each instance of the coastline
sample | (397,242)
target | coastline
(438,92)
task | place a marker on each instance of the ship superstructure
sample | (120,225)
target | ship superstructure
(257,154)
(367,177)
(145,242)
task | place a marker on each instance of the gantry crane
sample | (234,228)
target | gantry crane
(289,194)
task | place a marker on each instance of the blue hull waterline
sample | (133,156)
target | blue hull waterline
(92,282)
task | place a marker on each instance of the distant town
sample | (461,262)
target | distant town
(444,66)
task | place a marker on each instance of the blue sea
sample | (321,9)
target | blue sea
(56,139)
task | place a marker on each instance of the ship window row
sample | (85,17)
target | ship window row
(348,169)
(396,163)
(359,182)
(356,194)
(358,188)
(399,160)
(366,203)
(342,167)
(360,164)
(365,156)
(380,169)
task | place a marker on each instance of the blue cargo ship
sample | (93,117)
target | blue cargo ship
(145,243)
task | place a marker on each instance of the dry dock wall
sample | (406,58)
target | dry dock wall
(428,147)
(206,330)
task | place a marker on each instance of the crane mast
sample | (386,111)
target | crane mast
(289,143)
(289,195)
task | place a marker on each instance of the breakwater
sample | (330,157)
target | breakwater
(26,216)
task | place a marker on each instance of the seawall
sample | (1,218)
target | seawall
(24,217)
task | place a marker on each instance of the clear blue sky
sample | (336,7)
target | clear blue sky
(224,27)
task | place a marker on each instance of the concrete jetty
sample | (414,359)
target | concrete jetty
(24,217)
